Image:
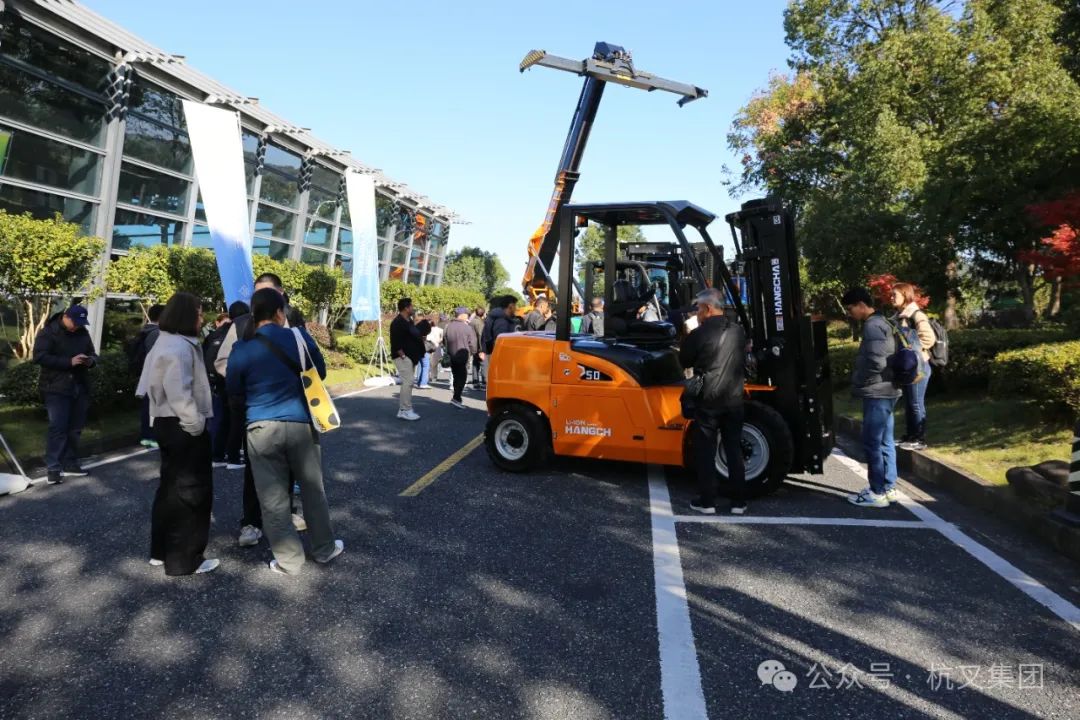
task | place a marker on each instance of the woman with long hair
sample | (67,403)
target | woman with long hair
(908,314)
(174,380)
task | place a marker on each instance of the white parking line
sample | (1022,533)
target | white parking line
(680,675)
(762,520)
(1018,578)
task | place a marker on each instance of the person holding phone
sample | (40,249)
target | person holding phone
(65,351)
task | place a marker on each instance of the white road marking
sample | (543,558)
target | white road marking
(361,392)
(680,675)
(768,520)
(1018,578)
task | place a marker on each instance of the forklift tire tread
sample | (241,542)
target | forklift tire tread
(517,438)
(762,421)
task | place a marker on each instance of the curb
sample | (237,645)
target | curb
(998,500)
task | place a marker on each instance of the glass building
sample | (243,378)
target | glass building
(92,127)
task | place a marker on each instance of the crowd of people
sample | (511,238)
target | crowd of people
(235,401)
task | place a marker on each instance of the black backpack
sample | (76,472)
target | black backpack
(939,353)
(137,351)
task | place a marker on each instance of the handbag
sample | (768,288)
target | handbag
(691,396)
(324,415)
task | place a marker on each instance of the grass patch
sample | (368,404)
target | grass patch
(25,428)
(984,436)
(349,376)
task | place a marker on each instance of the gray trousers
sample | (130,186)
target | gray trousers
(407,371)
(279,451)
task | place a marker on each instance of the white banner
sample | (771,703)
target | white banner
(360,190)
(219,168)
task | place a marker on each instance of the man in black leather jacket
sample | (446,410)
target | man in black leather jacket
(716,351)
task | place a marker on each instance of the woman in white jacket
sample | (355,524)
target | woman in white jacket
(174,379)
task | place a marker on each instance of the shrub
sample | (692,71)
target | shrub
(972,352)
(111,383)
(842,362)
(1049,374)
(320,334)
(19,384)
(338,360)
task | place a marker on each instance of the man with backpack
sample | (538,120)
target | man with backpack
(874,381)
(138,349)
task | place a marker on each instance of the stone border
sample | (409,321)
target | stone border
(999,500)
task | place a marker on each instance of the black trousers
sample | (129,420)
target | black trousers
(180,520)
(459,369)
(728,425)
(237,429)
(478,370)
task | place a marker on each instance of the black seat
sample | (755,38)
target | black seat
(648,366)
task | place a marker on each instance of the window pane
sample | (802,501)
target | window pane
(35,159)
(157,104)
(313,257)
(154,144)
(325,178)
(152,190)
(249,176)
(250,141)
(271,221)
(282,161)
(273,248)
(200,236)
(384,213)
(280,190)
(418,260)
(400,255)
(382,248)
(50,107)
(319,234)
(344,241)
(346,265)
(322,204)
(47,52)
(43,205)
(132,229)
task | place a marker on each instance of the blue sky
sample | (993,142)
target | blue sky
(430,92)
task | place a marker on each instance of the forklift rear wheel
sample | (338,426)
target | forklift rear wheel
(516,438)
(768,450)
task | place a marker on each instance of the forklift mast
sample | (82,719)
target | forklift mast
(790,348)
(609,63)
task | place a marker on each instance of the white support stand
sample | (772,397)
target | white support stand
(11,483)
(380,361)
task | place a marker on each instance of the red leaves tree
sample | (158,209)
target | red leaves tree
(1059,256)
(881,287)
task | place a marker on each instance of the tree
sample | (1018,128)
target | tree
(476,270)
(341,302)
(154,274)
(1059,257)
(40,260)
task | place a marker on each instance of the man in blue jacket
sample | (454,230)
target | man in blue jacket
(282,441)
(65,352)
(872,381)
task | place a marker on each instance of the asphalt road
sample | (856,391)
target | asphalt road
(499,596)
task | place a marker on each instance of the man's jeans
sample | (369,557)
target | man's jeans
(67,418)
(878,444)
(477,370)
(915,407)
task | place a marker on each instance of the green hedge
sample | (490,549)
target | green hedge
(972,352)
(1049,374)
(111,385)
(428,298)
(971,355)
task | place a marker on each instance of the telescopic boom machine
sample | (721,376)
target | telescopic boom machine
(609,63)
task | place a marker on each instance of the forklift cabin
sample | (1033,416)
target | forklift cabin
(617,396)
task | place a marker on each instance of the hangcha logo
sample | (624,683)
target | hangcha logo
(580,427)
(778,295)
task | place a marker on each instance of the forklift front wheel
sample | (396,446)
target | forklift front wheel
(516,438)
(768,450)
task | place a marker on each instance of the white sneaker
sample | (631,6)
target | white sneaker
(299,523)
(894,494)
(249,536)
(234,466)
(408,415)
(275,568)
(154,562)
(458,404)
(339,547)
(207,566)
(868,498)
(220,464)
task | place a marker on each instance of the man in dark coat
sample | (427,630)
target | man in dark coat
(65,352)
(716,350)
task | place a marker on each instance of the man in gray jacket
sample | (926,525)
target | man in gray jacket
(461,345)
(872,381)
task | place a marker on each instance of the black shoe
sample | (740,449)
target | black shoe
(698,504)
(74,471)
(55,478)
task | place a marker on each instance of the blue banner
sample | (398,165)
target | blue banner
(360,190)
(219,169)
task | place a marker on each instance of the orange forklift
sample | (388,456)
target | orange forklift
(616,397)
